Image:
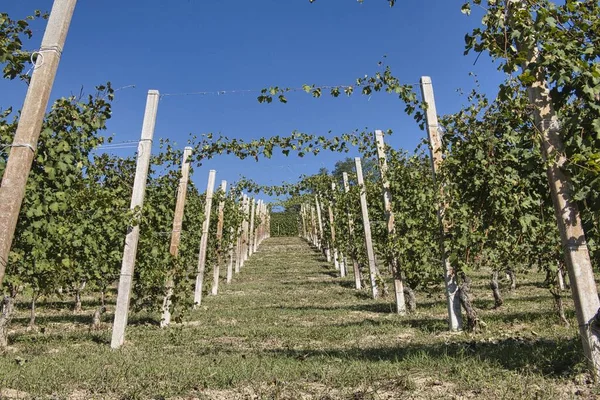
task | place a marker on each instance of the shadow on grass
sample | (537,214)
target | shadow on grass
(427,305)
(514,297)
(333,274)
(59,337)
(80,318)
(383,308)
(425,325)
(536,284)
(143,319)
(62,304)
(528,317)
(347,284)
(545,357)
(363,295)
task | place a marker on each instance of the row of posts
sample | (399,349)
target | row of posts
(312,230)
(312,225)
(248,236)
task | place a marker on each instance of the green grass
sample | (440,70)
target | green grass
(288,328)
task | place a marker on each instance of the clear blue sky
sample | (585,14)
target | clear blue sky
(201,45)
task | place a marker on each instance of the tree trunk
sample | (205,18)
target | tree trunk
(381,283)
(357,275)
(8,305)
(561,276)
(512,278)
(411,300)
(31,326)
(77,307)
(465,301)
(97,318)
(78,291)
(558,303)
(496,290)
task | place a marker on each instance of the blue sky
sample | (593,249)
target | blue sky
(180,46)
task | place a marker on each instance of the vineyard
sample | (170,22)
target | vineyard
(465,268)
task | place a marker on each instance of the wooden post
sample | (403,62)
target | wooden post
(309,226)
(308,223)
(231,255)
(301,223)
(391,230)
(268,223)
(176,232)
(241,248)
(332,231)
(306,230)
(315,234)
(263,225)
(24,145)
(133,234)
(353,250)
(577,258)
(251,229)
(257,214)
(245,234)
(321,244)
(435,145)
(217,267)
(204,238)
(367,226)
(238,250)
(303,233)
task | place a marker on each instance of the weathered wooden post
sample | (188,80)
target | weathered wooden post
(391,231)
(321,234)
(304,232)
(263,225)
(251,229)
(220,222)
(25,141)
(435,145)
(315,234)
(238,250)
(577,258)
(246,239)
(244,228)
(332,232)
(176,232)
(353,250)
(367,226)
(204,239)
(133,233)
(231,255)
(257,217)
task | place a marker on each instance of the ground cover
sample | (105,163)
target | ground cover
(289,328)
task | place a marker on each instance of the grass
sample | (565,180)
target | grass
(288,328)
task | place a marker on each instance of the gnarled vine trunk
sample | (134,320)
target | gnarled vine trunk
(31,326)
(558,303)
(496,290)
(411,300)
(465,300)
(512,278)
(97,317)
(7,310)
(78,291)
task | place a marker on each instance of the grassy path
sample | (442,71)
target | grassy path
(288,328)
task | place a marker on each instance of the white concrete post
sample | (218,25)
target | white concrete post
(133,234)
(204,238)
